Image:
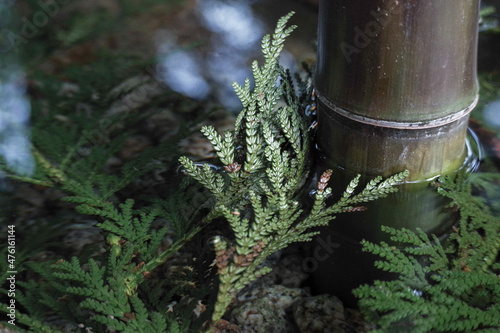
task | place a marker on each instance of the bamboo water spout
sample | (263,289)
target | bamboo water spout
(396,81)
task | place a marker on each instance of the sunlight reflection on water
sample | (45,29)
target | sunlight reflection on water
(15,145)
(235,40)
(181,70)
(491,113)
(233,21)
(14,118)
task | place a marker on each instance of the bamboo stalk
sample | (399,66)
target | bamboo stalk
(395,81)
(407,70)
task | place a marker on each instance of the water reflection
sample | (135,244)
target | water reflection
(236,34)
(489,19)
(14,117)
(233,22)
(491,113)
(15,146)
(182,71)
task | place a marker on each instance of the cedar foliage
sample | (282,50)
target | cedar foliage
(265,163)
(74,133)
(255,191)
(443,286)
(120,286)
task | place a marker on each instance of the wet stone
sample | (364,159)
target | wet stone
(266,309)
(319,314)
(287,272)
(259,316)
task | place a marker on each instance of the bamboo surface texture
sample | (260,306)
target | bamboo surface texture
(395,82)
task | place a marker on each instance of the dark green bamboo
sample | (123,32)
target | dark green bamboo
(395,81)
(405,65)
